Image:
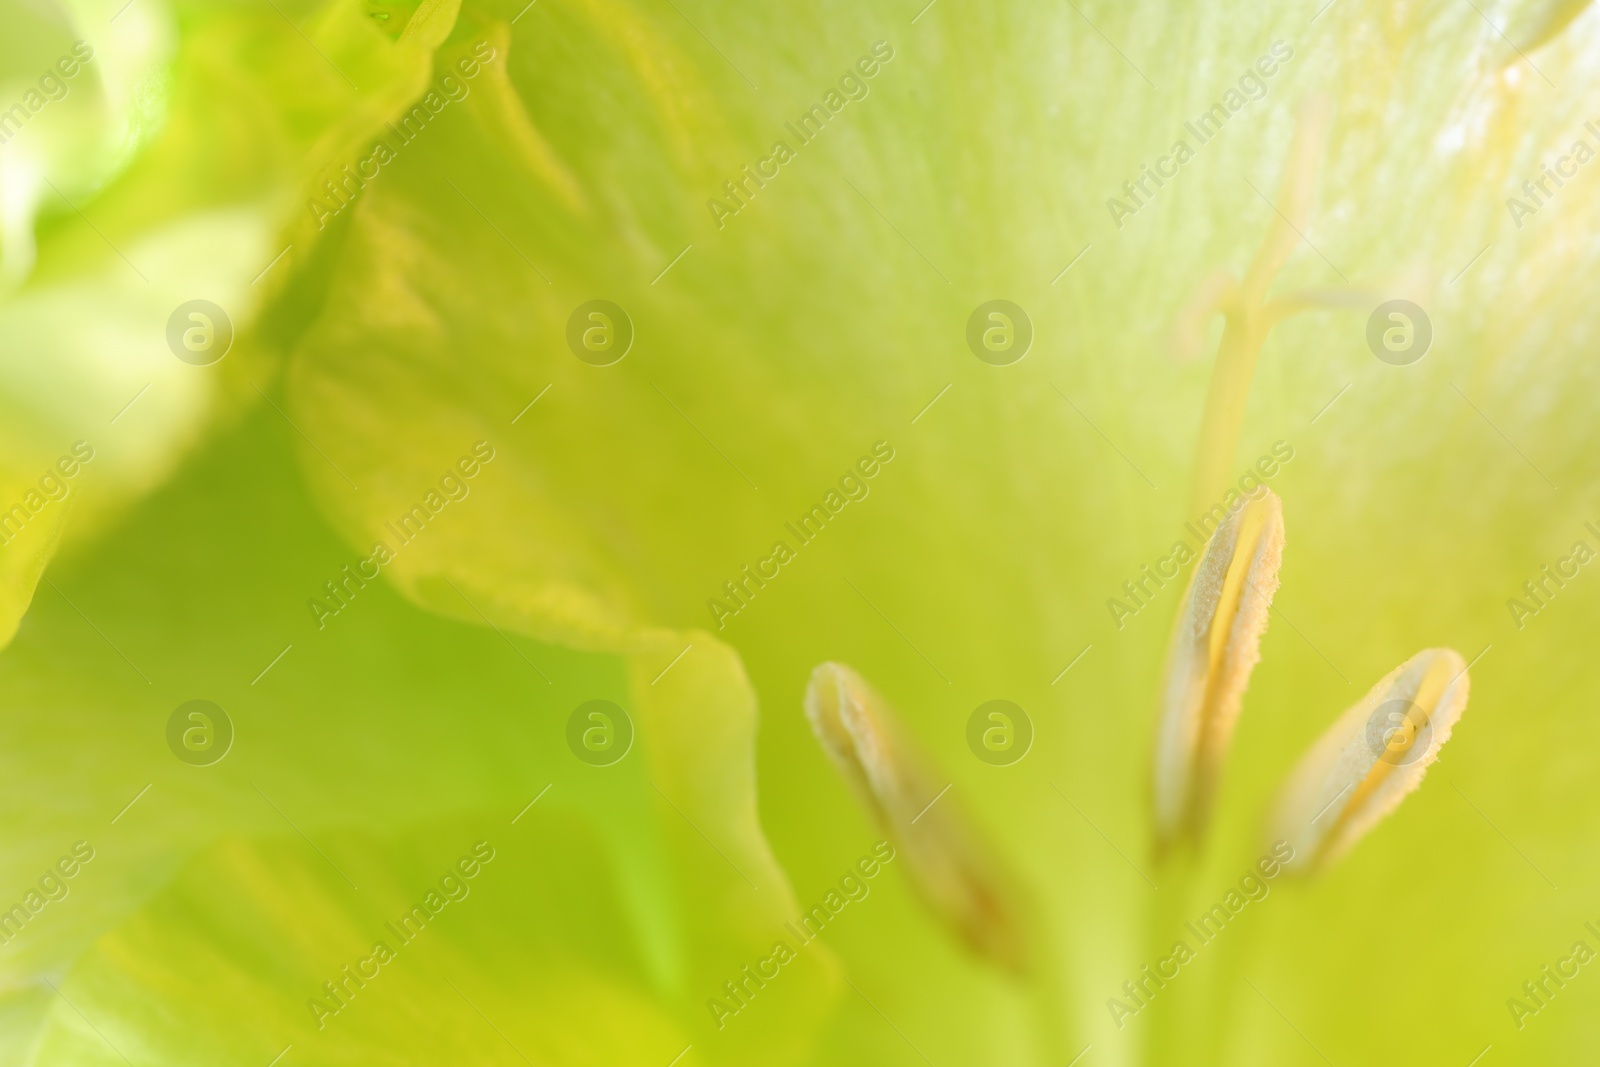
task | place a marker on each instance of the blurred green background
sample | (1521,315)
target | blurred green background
(376,344)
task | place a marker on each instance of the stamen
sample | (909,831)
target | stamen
(1370,759)
(951,865)
(1532,26)
(1245,312)
(1216,643)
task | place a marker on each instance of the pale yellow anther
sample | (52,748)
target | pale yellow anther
(1364,765)
(950,864)
(1532,26)
(1216,642)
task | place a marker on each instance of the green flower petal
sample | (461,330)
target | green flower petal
(207,151)
(775,346)
(663,848)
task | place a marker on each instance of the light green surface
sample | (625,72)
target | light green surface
(774,348)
